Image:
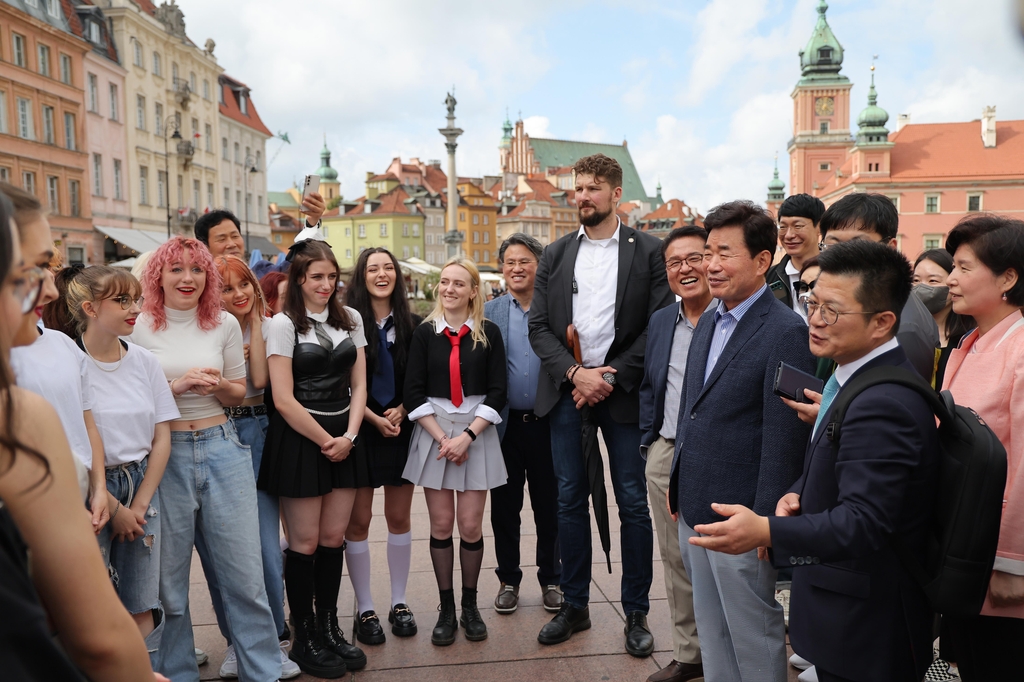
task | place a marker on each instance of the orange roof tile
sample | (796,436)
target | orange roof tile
(673,209)
(955,150)
(231,109)
(391,203)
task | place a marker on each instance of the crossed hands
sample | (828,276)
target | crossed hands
(590,388)
(390,425)
(455,450)
(198,380)
(337,448)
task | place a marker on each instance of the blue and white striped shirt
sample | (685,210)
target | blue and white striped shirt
(725,324)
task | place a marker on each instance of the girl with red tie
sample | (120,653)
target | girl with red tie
(455,386)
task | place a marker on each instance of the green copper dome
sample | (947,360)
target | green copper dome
(872,120)
(325,171)
(506,139)
(776,188)
(822,58)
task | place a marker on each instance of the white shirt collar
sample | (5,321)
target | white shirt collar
(381,323)
(792,269)
(582,234)
(319,317)
(844,372)
(440,324)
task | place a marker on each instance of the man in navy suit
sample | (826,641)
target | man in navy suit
(737,443)
(668,342)
(855,612)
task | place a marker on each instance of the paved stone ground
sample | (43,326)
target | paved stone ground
(511,650)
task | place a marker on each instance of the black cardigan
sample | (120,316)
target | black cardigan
(484,371)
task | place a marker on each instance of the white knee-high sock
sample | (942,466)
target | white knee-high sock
(358,556)
(399,560)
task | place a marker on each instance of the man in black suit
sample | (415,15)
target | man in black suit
(606,279)
(855,613)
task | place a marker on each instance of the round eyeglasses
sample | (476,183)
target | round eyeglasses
(126,301)
(829,315)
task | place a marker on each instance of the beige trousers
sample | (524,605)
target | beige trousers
(677,583)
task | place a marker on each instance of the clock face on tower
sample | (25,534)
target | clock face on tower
(824,106)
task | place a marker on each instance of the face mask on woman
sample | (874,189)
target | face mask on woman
(934,298)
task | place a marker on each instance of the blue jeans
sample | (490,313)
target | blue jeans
(135,566)
(208,486)
(636,537)
(252,431)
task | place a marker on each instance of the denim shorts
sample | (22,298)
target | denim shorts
(134,566)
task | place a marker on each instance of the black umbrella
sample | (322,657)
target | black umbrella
(592,458)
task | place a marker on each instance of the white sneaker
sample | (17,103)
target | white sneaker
(229,668)
(289,668)
(201,657)
(808,675)
(799,663)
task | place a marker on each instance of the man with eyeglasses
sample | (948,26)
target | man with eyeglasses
(736,443)
(668,343)
(857,613)
(525,437)
(798,217)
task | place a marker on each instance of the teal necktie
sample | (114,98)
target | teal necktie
(827,395)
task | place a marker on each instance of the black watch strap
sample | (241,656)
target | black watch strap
(469,431)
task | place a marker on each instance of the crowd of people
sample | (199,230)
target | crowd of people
(251,420)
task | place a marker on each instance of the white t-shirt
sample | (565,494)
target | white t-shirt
(281,332)
(131,398)
(55,368)
(182,345)
(250,390)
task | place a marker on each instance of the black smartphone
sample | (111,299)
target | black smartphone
(790,382)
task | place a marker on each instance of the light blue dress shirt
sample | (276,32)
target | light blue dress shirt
(523,363)
(725,325)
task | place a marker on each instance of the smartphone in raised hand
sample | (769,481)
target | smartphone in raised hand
(310,183)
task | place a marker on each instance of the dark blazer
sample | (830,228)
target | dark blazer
(642,288)
(496,310)
(855,610)
(660,333)
(736,441)
(778,281)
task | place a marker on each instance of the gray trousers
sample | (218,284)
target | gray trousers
(742,632)
(685,645)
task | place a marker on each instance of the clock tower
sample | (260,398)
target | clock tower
(821,113)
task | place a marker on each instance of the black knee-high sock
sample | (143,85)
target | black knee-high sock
(298,582)
(471,556)
(327,583)
(442,556)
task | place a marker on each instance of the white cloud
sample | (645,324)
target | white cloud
(537,126)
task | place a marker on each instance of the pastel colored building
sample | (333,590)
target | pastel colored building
(388,218)
(477,220)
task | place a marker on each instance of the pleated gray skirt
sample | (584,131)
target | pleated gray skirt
(483,469)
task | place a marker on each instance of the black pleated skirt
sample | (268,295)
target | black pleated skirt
(293,465)
(379,461)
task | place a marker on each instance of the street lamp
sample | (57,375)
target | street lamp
(176,136)
(250,164)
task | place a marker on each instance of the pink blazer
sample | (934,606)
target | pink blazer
(987,375)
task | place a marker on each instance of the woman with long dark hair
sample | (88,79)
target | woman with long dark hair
(208,483)
(377,292)
(930,272)
(318,371)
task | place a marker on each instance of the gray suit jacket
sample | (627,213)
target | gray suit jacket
(497,312)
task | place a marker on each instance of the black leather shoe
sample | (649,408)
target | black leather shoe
(568,621)
(366,627)
(334,639)
(447,624)
(310,653)
(471,622)
(639,640)
(403,624)
(678,672)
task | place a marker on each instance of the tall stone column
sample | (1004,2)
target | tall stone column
(453,238)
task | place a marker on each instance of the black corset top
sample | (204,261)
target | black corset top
(320,375)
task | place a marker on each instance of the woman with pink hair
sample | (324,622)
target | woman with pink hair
(208,485)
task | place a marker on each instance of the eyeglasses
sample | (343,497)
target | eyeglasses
(126,301)
(694,260)
(28,288)
(829,315)
(518,263)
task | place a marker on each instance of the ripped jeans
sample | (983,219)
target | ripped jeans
(135,566)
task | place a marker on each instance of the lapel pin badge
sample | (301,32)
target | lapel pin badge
(630,240)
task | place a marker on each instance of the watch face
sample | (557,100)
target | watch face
(824,106)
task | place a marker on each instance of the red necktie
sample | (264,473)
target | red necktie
(454,373)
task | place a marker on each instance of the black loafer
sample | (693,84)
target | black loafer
(367,629)
(639,640)
(568,621)
(403,624)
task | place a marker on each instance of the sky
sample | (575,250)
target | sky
(699,90)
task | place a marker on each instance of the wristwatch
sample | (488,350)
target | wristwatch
(609,378)
(354,437)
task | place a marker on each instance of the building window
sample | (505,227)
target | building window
(113,102)
(476,236)
(53,193)
(259,160)
(476,255)
(18,48)
(28,182)
(65,69)
(238,154)
(476,219)
(206,89)
(137,53)
(462,216)
(932,241)
(174,72)
(209,138)
(825,55)
(3,112)
(383,229)
(94,93)
(95,34)
(931,203)
(221,99)
(69,131)
(362,231)
(76,255)
(429,239)
(158,118)
(158,67)
(415,230)
(825,166)
(823,127)
(487,237)
(192,81)
(161,188)
(348,254)
(97,175)
(973,202)
(248,152)
(415,252)
(243,104)
(259,207)
(487,256)
(75,197)
(277,240)
(140,112)
(209,195)
(117,180)
(143,185)
(26,127)
(405,252)
(405,229)
(227,198)
(53,7)
(238,202)
(49,136)
(196,191)
(224,149)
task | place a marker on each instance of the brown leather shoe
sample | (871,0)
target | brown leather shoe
(678,672)
(553,598)
(507,600)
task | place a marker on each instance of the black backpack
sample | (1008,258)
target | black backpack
(969,501)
